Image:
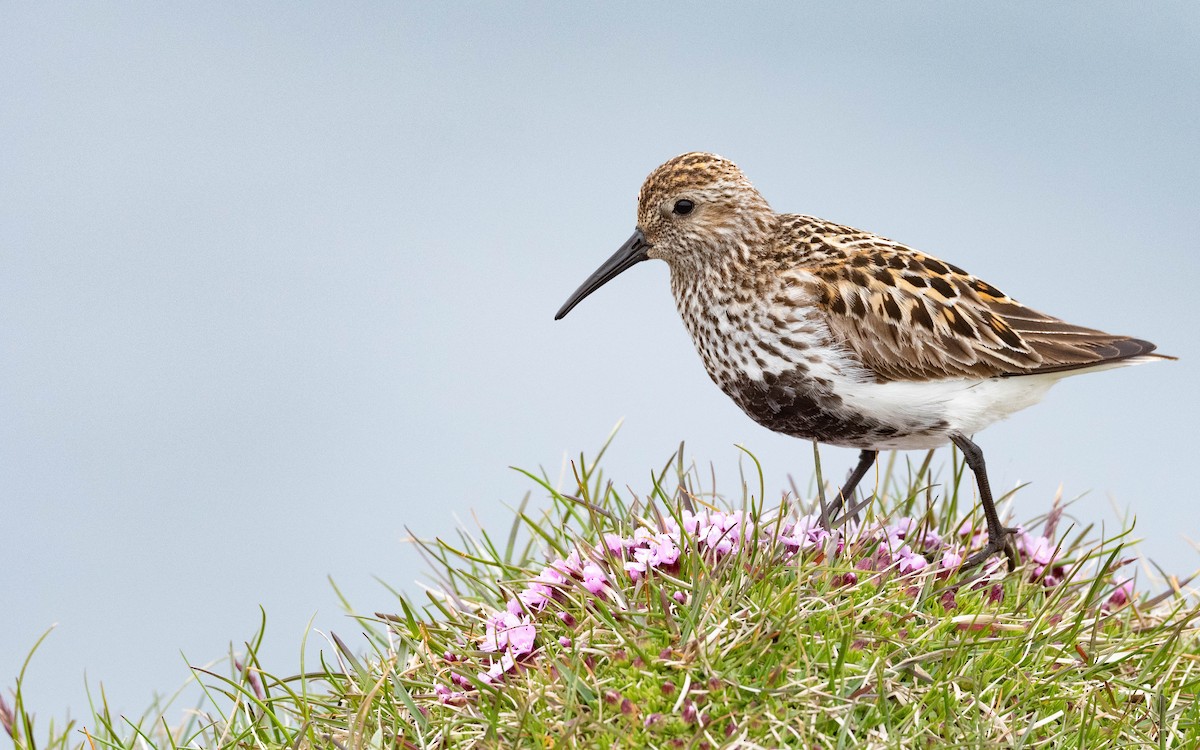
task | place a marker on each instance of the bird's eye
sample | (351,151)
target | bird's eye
(683,207)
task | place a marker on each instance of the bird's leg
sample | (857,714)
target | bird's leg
(845,495)
(998,535)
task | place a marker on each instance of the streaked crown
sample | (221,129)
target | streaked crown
(699,207)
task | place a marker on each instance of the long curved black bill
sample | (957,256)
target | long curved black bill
(630,254)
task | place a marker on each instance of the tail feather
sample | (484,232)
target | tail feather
(1103,352)
(1064,347)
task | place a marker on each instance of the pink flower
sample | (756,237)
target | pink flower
(720,531)
(911,532)
(719,538)
(806,533)
(552,576)
(1039,549)
(722,545)
(543,589)
(689,713)
(651,550)
(594,578)
(615,544)
(845,579)
(910,562)
(495,636)
(885,553)
(521,638)
(663,551)
(569,567)
(1121,596)
(509,632)
(635,570)
(536,596)
(932,540)
(891,539)
(504,664)
(448,696)
(903,527)
(952,557)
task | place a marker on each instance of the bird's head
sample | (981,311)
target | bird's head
(694,211)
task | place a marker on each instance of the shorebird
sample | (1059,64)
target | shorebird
(829,333)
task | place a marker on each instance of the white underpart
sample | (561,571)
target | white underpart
(967,406)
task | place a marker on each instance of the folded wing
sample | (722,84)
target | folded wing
(909,316)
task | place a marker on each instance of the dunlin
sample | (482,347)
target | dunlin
(833,334)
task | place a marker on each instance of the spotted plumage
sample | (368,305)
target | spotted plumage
(830,333)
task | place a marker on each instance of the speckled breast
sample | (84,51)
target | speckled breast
(768,352)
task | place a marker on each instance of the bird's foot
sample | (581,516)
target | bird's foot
(1002,542)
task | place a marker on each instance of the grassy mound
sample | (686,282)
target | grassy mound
(677,619)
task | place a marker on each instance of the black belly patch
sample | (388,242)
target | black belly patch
(794,404)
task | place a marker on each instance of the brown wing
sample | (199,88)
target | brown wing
(910,316)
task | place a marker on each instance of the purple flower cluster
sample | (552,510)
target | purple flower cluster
(904,548)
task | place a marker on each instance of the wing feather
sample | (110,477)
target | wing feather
(910,316)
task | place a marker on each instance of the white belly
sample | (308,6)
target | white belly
(962,406)
(966,406)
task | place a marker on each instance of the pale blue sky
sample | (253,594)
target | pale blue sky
(277,281)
